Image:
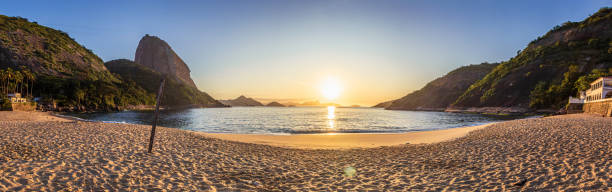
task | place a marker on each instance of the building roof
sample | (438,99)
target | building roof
(13,95)
(605,78)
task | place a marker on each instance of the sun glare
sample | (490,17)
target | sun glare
(331,88)
(331,116)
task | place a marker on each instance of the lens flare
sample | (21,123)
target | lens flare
(349,171)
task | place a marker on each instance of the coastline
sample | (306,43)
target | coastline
(334,140)
(349,140)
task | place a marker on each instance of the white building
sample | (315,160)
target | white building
(16,98)
(600,89)
(575,100)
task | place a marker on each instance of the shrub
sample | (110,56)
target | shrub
(5,104)
(537,97)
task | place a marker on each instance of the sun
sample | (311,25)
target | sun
(331,88)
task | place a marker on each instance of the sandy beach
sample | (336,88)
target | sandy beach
(41,152)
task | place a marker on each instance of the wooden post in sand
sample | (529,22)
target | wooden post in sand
(159,94)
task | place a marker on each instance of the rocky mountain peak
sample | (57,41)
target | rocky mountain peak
(156,54)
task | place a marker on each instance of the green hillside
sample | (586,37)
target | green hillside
(441,92)
(46,51)
(42,62)
(551,68)
(175,93)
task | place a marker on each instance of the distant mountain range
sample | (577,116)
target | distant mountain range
(310,103)
(539,78)
(250,102)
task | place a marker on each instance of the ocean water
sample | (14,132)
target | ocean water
(298,120)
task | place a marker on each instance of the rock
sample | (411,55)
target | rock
(156,54)
(521,183)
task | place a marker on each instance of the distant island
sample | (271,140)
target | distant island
(314,103)
(242,101)
(275,104)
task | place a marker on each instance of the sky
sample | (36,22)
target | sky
(287,50)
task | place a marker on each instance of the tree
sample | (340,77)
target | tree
(32,80)
(18,76)
(9,76)
(2,80)
(29,77)
(79,94)
(538,95)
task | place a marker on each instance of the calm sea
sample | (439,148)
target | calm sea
(299,120)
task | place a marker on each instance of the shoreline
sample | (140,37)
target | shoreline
(349,140)
(331,140)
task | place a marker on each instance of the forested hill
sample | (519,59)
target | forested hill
(46,51)
(441,92)
(551,68)
(42,62)
(541,77)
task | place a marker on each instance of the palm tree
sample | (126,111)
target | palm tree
(31,79)
(9,76)
(18,80)
(28,77)
(24,80)
(2,79)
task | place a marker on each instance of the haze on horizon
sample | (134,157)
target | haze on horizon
(285,50)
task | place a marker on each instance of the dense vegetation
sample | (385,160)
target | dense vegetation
(175,93)
(97,95)
(46,51)
(12,81)
(71,93)
(38,61)
(550,69)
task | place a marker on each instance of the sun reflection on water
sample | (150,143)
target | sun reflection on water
(331,116)
(331,112)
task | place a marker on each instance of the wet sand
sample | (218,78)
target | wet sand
(44,153)
(349,140)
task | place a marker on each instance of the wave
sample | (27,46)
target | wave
(341,131)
